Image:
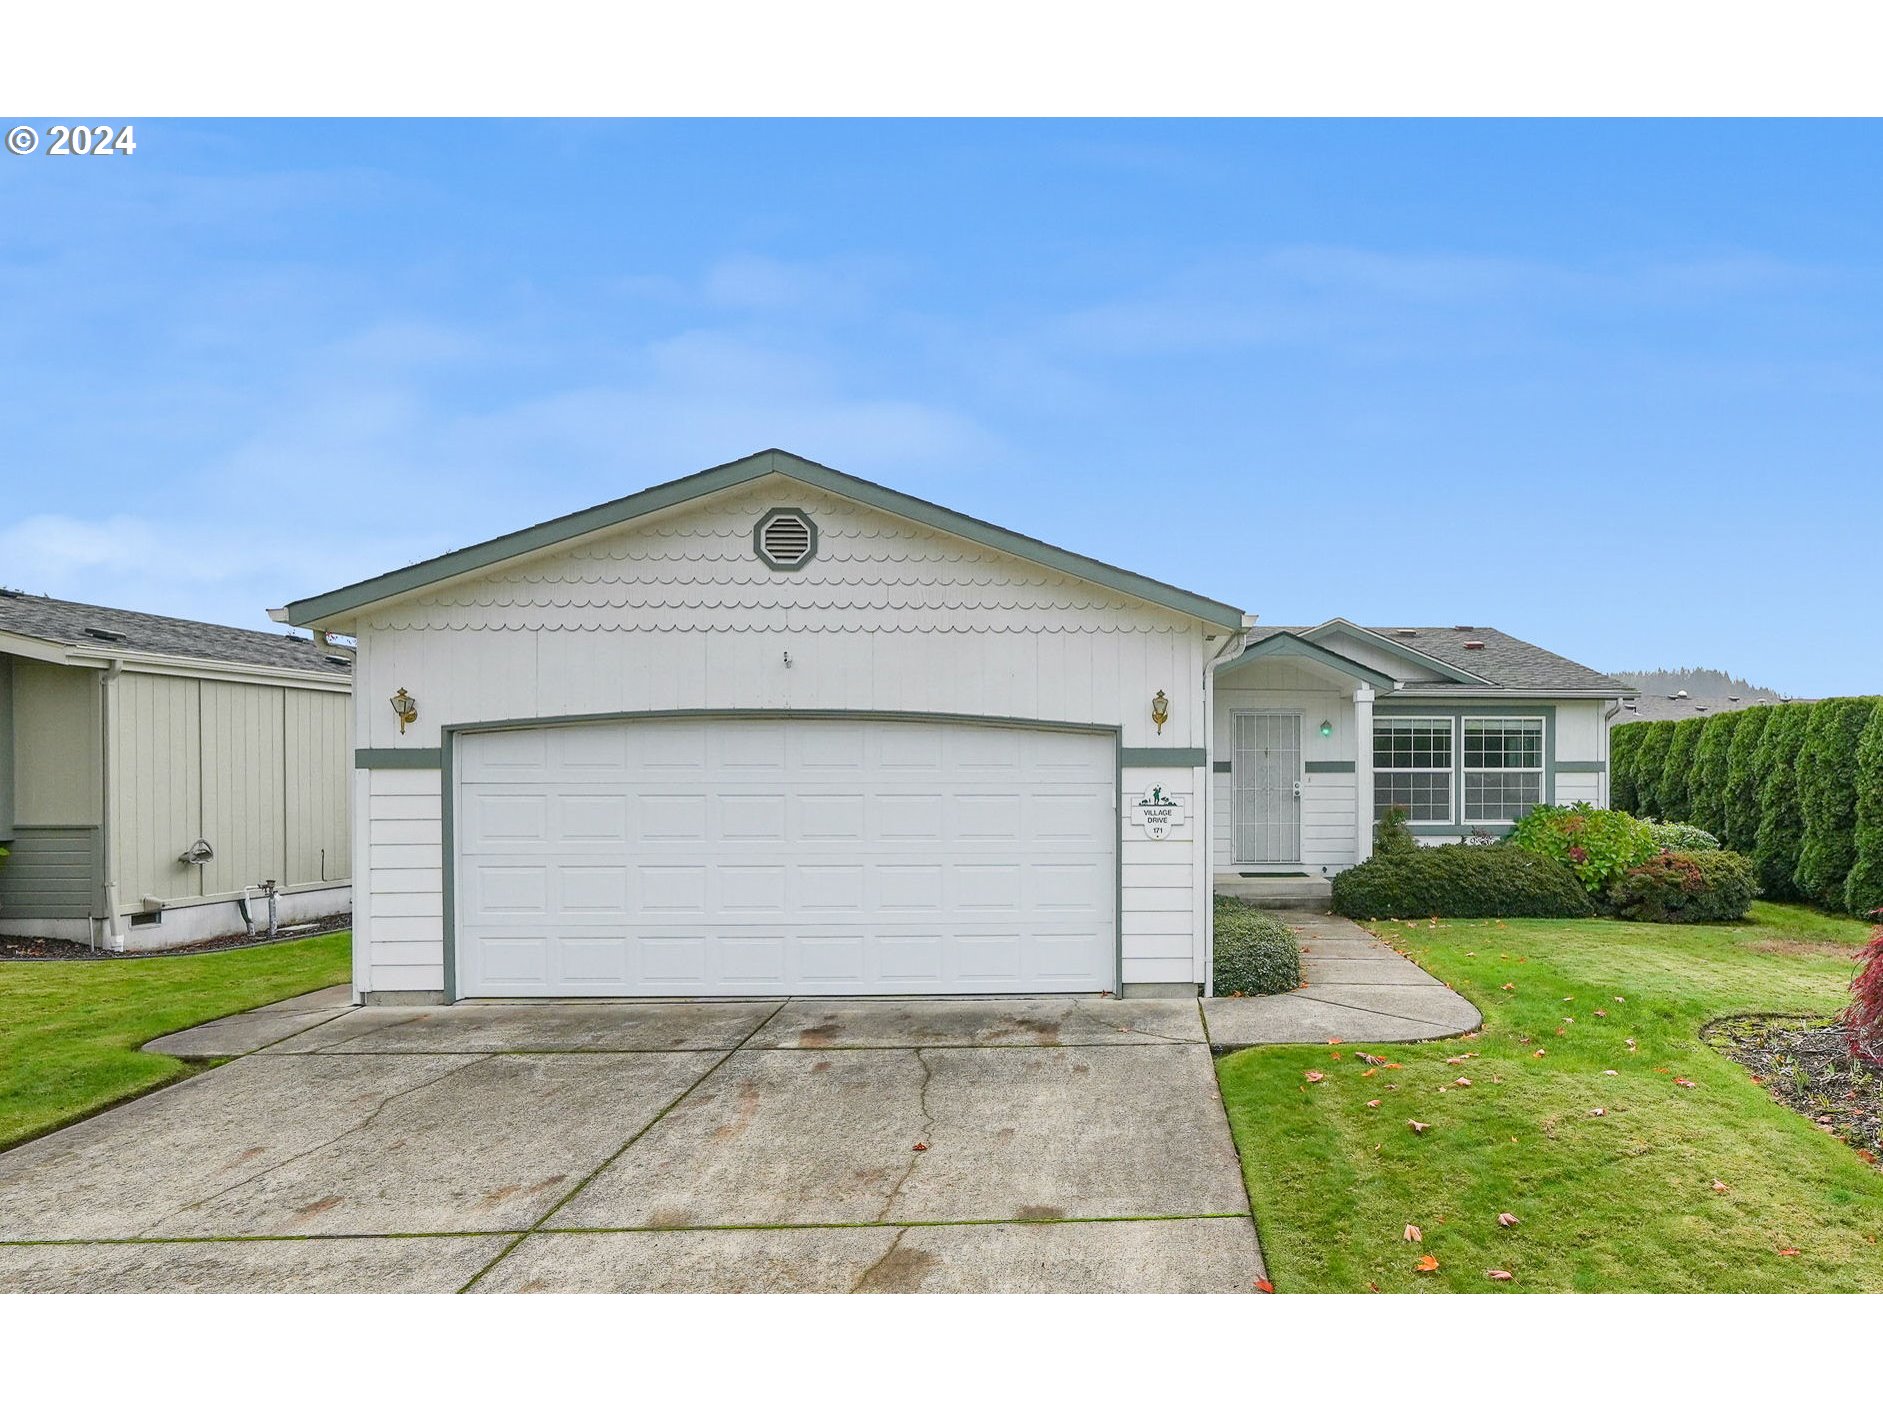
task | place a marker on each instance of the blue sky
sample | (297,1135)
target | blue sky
(1614,387)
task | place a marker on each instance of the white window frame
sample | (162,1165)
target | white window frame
(1453,783)
(1540,769)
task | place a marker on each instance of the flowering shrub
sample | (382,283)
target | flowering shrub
(1681,838)
(1599,845)
(1863,1021)
(1685,887)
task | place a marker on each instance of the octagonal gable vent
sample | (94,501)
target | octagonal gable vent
(785,539)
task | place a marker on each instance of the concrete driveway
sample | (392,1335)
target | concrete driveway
(1032,1145)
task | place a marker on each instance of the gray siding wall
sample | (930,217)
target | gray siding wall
(53,872)
(261,772)
(6,748)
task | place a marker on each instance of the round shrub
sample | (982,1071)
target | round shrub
(1461,880)
(1686,887)
(1681,838)
(1255,953)
(1598,845)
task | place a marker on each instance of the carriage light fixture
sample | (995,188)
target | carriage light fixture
(1160,710)
(1327,727)
(405,707)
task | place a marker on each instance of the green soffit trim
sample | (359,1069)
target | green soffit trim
(308,611)
(414,759)
(1133,757)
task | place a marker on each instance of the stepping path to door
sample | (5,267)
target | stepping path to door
(1355,988)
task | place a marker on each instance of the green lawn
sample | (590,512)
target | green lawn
(1624,1201)
(70,1030)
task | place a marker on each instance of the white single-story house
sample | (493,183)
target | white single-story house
(152,769)
(771,729)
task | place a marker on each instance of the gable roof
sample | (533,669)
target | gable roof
(1503,663)
(1286,642)
(308,611)
(106,632)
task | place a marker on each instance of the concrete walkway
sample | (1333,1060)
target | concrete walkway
(1355,988)
(974,1146)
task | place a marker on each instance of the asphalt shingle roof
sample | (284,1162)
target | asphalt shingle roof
(56,620)
(1504,661)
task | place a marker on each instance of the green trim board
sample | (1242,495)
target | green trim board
(308,611)
(1328,767)
(1582,767)
(1136,757)
(1287,644)
(448,792)
(401,758)
(1458,714)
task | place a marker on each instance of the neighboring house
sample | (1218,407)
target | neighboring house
(771,729)
(1682,707)
(128,741)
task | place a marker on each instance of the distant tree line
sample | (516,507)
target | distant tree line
(1797,787)
(1695,681)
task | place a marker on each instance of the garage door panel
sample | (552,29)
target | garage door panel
(684,858)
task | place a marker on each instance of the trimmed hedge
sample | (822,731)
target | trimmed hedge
(1742,781)
(1675,795)
(1682,838)
(1650,758)
(1706,782)
(1781,825)
(1255,953)
(1597,845)
(1623,742)
(1863,889)
(1461,880)
(1827,797)
(1686,887)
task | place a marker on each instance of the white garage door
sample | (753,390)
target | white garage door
(784,857)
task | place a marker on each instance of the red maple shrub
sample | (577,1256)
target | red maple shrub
(1863,1021)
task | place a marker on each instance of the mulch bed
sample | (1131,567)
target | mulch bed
(1806,1065)
(39,948)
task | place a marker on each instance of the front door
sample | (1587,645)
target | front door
(1268,787)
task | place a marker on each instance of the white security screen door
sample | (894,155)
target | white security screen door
(1268,787)
(763,856)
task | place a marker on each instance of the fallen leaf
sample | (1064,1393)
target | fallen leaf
(1598,1112)
(1497,1274)
(1425,1264)
(1265,1286)
(1568,998)
(1719,1186)
(920,1147)
(1686,1083)
(1506,1220)
(1508,986)
(1314,1076)
(1368,1073)
(1601,1014)
(1867,1155)
(1373,1287)
(1538,1053)
(1611,1073)
(1790,1250)
(1414,1234)
(1462,1082)
(1392,1066)
(1373,1103)
(1416,1125)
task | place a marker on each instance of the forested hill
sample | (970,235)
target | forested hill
(1695,681)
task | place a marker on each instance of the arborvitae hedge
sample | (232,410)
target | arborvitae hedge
(1742,781)
(1827,797)
(1623,741)
(1706,805)
(1673,796)
(1781,824)
(1863,889)
(1650,758)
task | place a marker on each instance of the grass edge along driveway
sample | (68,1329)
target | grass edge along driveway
(71,1031)
(1580,1016)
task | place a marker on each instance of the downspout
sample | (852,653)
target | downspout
(108,790)
(1606,789)
(1206,825)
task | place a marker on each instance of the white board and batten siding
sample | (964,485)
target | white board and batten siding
(1327,799)
(674,613)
